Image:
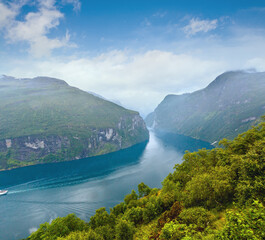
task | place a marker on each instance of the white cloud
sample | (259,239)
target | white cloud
(196,25)
(47,3)
(139,81)
(256,63)
(6,14)
(160,14)
(35,27)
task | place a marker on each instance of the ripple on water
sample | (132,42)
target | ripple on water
(41,193)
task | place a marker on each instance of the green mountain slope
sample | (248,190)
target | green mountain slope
(228,106)
(213,194)
(45,120)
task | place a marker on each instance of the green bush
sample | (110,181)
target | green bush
(59,227)
(107,232)
(102,218)
(90,235)
(211,189)
(118,209)
(198,216)
(151,211)
(134,215)
(143,190)
(132,196)
(245,224)
(124,230)
(173,230)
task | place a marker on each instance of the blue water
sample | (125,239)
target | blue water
(40,193)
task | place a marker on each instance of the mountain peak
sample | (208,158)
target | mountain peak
(39,79)
(44,79)
(227,76)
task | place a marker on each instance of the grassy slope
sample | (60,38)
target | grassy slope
(213,194)
(50,107)
(29,107)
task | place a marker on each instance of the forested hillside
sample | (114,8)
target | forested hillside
(213,194)
(45,120)
(228,106)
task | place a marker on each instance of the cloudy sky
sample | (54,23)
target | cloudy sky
(134,51)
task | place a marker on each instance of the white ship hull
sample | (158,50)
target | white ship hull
(3,192)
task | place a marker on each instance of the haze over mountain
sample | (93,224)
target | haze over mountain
(131,51)
(46,120)
(229,105)
(110,100)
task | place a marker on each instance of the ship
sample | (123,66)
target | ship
(3,192)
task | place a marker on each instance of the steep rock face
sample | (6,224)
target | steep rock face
(229,105)
(45,120)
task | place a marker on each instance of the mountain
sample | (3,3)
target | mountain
(229,105)
(111,100)
(46,120)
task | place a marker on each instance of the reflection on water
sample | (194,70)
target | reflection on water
(41,193)
(52,175)
(182,143)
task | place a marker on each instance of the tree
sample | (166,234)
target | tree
(118,209)
(197,216)
(245,224)
(124,230)
(134,215)
(143,190)
(130,197)
(106,232)
(90,235)
(173,230)
(211,189)
(59,227)
(102,218)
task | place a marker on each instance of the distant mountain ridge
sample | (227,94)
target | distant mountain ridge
(45,120)
(229,105)
(111,100)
